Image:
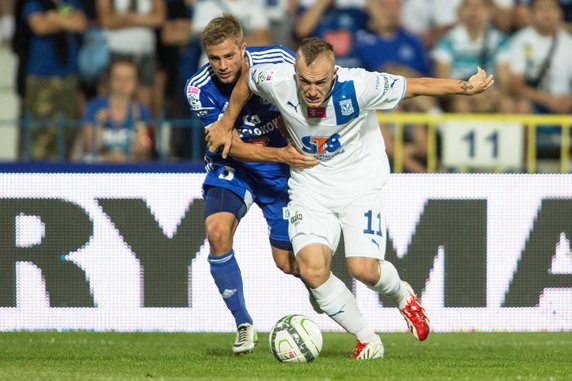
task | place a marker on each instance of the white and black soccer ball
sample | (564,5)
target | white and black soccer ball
(295,338)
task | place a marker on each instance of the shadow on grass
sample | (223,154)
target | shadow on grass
(221,352)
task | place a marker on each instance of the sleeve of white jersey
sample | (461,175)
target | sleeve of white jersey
(261,80)
(381,91)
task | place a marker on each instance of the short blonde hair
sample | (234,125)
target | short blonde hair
(223,28)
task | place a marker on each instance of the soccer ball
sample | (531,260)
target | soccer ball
(295,338)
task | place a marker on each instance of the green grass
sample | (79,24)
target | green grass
(207,356)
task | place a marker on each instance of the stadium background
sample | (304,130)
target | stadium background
(122,247)
(91,249)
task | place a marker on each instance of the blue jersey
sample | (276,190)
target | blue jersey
(117,135)
(43,60)
(403,49)
(266,184)
(258,121)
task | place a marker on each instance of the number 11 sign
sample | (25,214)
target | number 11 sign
(485,145)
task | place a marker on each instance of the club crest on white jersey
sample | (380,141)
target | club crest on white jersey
(346,107)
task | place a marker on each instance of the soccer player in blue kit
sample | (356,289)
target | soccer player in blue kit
(248,175)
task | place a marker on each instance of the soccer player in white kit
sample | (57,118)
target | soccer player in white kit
(330,114)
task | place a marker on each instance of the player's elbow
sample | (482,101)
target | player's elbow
(415,87)
(409,88)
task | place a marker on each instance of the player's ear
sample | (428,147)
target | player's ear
(336,69)
(243,48)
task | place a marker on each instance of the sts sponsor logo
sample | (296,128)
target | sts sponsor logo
(324,147)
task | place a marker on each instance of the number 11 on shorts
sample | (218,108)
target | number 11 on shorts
(369,229)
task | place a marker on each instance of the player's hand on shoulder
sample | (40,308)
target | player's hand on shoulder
(297,159)
(478,83)
(219,134)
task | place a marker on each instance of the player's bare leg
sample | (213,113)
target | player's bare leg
(335,299)
(286,261)
(220,228)
(382,277)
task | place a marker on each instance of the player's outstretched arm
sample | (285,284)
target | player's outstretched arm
(254,153)
(220,132)
(440,86)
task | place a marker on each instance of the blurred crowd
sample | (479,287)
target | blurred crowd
(119,64)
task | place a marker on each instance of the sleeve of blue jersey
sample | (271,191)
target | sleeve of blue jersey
(270,54)
(205,109)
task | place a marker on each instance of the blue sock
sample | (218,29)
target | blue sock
(227,276)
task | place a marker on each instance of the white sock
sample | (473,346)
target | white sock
(338,302)
(389,284)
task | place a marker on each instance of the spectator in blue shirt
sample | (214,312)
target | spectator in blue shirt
(388,43)
(335,21)
(51,85)
(114,125)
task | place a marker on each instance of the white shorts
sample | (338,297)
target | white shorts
(361,220)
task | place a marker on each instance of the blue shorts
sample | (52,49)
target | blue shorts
(269,190)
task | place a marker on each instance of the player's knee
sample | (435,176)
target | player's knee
(314,265)
(314,275)
(219,235)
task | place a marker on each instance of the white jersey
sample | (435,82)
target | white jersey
(528,51)
(462,54)
(250,13)
(343,133)
(135,40)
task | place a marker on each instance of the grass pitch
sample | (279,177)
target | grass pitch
(207,356)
